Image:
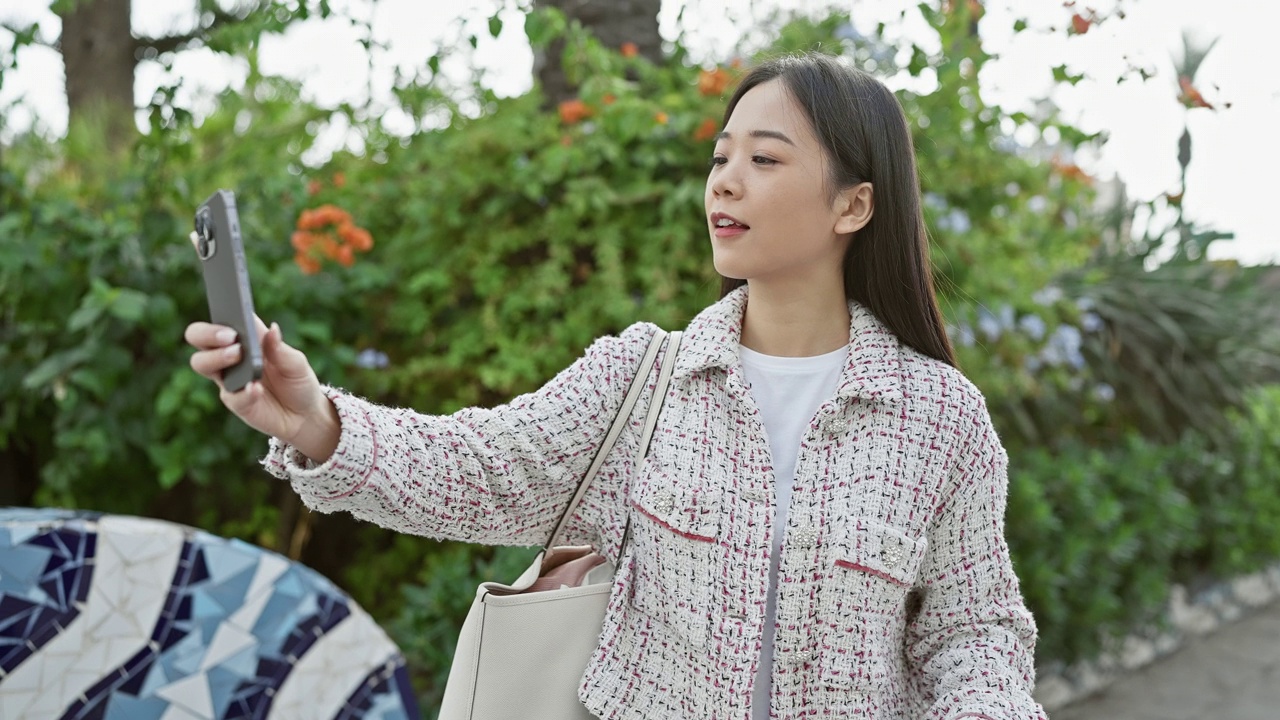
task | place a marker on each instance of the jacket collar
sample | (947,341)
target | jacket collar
(870,372)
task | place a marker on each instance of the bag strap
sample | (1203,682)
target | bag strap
(623,417)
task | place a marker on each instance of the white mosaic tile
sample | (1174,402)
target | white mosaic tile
(227,641)
(331,671)
(65,662)
(190,693)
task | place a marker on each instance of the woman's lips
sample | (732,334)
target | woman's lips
(726,231)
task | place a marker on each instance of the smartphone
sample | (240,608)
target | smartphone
(226,283)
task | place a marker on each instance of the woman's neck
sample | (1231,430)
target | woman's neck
(795,323)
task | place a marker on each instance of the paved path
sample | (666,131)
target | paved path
(1232,674)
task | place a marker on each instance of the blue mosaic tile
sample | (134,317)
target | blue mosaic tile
(49,572)
(124,707)
(199,652)
(385,694)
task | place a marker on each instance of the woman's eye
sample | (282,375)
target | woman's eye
(718,160)
(762,160)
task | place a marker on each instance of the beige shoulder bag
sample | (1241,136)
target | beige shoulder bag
(524,646)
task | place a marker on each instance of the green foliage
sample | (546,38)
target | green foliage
(1236,492)
(1181,344)
(98,283)
(1094,533)
(555,234)
(1099,535)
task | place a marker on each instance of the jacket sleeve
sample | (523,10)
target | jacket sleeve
(972,643)
(499,476)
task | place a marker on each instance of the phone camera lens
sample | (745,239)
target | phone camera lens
(206,245)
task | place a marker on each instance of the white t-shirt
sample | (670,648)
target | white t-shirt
(788,391)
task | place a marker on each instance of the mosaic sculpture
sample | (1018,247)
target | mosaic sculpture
(112,617)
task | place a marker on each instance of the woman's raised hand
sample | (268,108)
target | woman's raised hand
(287,402)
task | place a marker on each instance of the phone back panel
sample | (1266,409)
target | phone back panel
(226,282)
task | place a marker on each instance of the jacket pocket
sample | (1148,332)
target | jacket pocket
(871,568)
(675,521)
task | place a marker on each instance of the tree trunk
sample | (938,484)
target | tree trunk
(613,22)
(98,50)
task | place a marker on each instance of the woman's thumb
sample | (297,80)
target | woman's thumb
(289,360)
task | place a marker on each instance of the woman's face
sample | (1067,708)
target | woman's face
(768,175)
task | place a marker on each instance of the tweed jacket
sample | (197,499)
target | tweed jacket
(897,597)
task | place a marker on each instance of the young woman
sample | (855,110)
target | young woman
(818,526)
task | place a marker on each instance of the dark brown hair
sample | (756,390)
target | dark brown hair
(865,137)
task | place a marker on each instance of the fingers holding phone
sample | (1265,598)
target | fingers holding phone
(217,348)
(226,278)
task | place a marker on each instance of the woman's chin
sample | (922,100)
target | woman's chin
(729,270)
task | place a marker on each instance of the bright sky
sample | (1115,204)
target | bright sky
(1236,150)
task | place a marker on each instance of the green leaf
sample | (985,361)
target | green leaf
(128,305)
(543,25)
(84,316)
(495,26)
(1060,74)
(1019,25)
(919,61)
(55,366)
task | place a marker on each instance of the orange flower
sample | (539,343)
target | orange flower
(573,111)
(345,256)
(1080,24)
(302,240)
(328,232)
(1190,96)
(610,99)
(308,264)
(566,141)
(661,118)
(356,237)
(712,82)
(339,180)
(630,50)
(321,216)
(361,240)
(314,187)
(1071,171)
(706,130)
(329,246)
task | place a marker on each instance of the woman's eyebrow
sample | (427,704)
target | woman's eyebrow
(759,134)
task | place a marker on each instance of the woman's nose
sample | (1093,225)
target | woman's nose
(725,182)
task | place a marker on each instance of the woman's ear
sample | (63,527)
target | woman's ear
(855,205)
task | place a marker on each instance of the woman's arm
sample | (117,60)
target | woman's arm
(499,476)
(973,640)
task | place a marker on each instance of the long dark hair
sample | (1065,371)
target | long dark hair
(865,137)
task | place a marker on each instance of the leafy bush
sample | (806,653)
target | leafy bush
(1094,534)
(1235,491)
(1100,535)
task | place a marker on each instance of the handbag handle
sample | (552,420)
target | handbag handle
(620,423)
